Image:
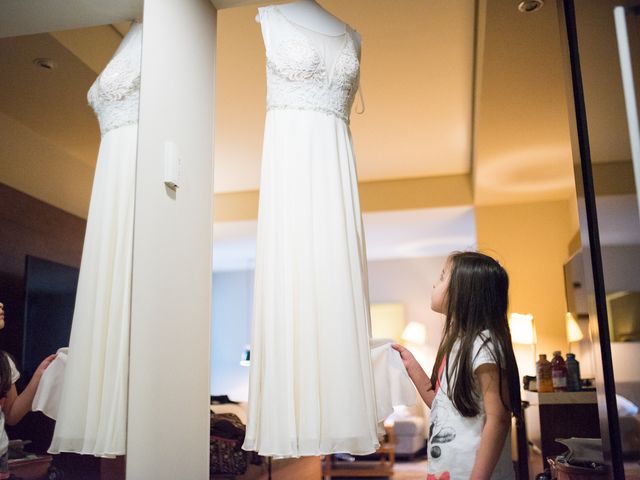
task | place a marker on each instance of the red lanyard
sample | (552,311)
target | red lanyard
(440,370)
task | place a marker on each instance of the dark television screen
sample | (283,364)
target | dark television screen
(50,292)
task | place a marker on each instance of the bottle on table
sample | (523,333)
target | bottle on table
(573,373)
(544,378)
(559,372)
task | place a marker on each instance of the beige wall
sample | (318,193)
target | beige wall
(409,281)
(531,240)
(383,195)
(168,423)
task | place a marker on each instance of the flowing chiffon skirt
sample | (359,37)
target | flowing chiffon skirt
(311,383)
(92,417)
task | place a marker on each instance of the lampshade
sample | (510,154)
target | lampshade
(522,330)
(574,332)
(415,333)
(245,359)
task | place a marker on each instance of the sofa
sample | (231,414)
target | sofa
(629,418)
(410,427)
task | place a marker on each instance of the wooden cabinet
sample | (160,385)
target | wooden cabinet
(560,415)
(35,468)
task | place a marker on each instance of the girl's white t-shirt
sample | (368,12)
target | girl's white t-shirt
(453,439)
(4,439)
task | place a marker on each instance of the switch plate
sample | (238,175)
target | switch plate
(172,165)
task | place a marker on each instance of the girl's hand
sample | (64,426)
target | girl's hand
(44,364)
(407,357)
(417,375)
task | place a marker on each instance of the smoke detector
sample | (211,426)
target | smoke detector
(45,63)
(529,6)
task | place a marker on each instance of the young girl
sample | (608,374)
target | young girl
(474,386)
(13,406)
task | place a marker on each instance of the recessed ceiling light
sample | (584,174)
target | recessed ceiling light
(528,6)
(46,63)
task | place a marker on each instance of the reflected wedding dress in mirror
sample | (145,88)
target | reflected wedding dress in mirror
(93,406)
(311,381)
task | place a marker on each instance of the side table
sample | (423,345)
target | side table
(560,415)
(31,468)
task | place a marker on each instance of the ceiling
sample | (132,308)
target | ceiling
(444,95)
(50,137)
(618,220)
(416,77)
(51,103)
(522,143)
(604,101)
(33,16)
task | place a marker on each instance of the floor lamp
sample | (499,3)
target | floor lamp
(414,337)
(523,338)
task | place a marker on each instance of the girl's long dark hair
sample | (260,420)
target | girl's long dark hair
(477,300)
(5,374)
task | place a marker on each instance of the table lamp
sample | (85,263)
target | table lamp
(574,332)
(415,333)
(245,359)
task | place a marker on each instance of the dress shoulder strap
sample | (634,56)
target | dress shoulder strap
(264,17)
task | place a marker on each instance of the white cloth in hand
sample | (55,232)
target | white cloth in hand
(392,383)
(47,397)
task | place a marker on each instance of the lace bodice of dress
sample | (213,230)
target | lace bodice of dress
(298,76)
(115,95)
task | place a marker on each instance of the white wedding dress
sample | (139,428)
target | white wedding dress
(92,415)
(311,382)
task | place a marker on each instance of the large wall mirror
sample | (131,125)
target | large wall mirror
(69,95)
(602,281)
(58,198)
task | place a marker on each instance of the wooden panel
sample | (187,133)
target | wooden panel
(565,421)
(30,227)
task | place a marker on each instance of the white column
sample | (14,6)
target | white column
(168,420)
